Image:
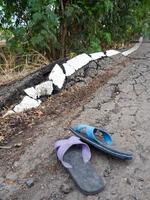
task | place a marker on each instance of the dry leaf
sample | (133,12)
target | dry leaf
(1,138)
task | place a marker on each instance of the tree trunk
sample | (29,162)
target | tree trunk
(63,28)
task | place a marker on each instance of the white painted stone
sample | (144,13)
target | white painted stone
(112,52)
(79,61)
(134,48)
(31,92)
(9,112)
(69,69)
(97,55)
(26,103)
(57,76)
(45,88)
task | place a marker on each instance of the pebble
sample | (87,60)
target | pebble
(140,179)
(30,182)
(18,144)
(140,187)
(113,193)
(65,188)
(42,187)
(107,172)
(16,164)
(128,181)
(121,134)
(2,187)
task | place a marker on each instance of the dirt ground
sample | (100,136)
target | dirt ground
(121,105)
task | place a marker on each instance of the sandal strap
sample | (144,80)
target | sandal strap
(90,132)
(63,145)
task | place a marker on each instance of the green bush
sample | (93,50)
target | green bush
(59,27)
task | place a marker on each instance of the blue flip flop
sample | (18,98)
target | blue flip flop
(100,139)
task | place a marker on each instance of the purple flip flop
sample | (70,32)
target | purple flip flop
(75,157)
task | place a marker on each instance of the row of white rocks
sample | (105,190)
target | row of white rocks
(57,77)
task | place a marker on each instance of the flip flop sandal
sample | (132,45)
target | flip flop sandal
(100,139)
(75,156)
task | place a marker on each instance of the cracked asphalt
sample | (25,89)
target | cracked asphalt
(122,107)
